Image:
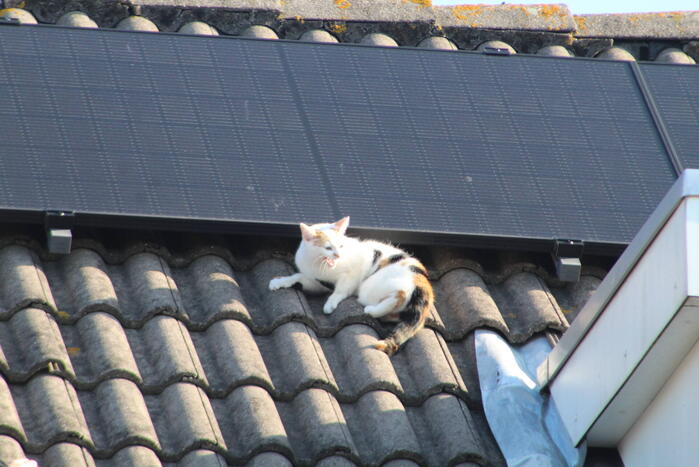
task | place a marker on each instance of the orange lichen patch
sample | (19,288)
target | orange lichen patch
(466,12)
(72,351)
(63,315)
(422,3)
(299,18)
(548,11)
(343,4)
(337,28)
(580,23)
(525,10)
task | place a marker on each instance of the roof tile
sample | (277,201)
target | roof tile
(316,426)
(250,421)
(132,456)
(381,429)
(10,422)
(444,423)
(259,32)
(295,360)
(10,449)
(99,349)
(184,420)
(68,454)
(82,283)
(465,303)
(671,25)
(165,353)
(357,367)
(137,23)
(202,458)
(22,282)
(193,357)
(30,342)
(117,415)
(230,357)
(50,412)
(527,306)
(198,27)
(269,459)
(210,291)
(76,19)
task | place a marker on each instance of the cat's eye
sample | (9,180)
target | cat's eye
(328,248)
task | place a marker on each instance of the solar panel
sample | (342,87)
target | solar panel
(674,88)
(240,131)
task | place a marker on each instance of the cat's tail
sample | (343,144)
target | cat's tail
(412,318)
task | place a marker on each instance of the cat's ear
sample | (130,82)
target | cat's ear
(307,232)
(341,225)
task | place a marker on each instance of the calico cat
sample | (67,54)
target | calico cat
(387,281)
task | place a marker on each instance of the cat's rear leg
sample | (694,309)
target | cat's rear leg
(390,304)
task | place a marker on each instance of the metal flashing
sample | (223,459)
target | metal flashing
(687,185)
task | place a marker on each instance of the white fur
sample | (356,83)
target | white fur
(351,270)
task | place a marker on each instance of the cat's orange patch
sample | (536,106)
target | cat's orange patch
(421,281)
(320,238)
(401,297)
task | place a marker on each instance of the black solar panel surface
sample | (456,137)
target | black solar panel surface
(279,132)
(675,89)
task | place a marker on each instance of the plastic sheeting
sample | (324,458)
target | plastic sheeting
(525,423)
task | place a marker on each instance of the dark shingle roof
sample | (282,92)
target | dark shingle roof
(524,28)
(141,354)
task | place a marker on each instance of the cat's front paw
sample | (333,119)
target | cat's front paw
(328,307)
(279,283)
(370,310)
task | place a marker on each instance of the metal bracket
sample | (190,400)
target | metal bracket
(10,21)
(58,225)
(496,51)
(566,257)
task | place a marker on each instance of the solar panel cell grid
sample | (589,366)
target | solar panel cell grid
(278,132)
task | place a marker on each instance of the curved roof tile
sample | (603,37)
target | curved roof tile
(617,53)
(496,45)
(198,27)
(157,355)
(554,51)
(259,32)
(379,39)
(437,42)
(18,14)
(317,35)
(137,23)
(672,55)
(76,19)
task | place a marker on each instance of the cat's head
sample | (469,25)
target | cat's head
(325,241)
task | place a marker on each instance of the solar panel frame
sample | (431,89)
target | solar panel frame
(175,104)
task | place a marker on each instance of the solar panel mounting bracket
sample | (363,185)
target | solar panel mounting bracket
(58,225)
(10,21)
(566,256)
